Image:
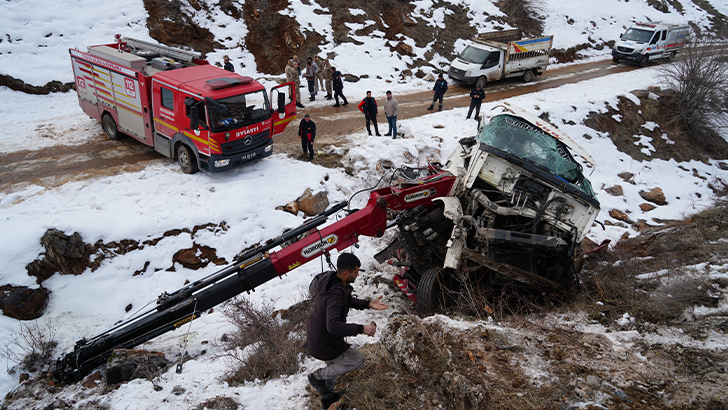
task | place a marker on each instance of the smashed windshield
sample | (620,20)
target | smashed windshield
(523,140)
(237,111)
(635,34)
(473,55)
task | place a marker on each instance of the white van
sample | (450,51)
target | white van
(643,42)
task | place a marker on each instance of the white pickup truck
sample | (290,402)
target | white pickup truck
(643,42)
(501,54)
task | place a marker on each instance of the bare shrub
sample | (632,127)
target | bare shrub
(219,403)
(524,15)
(265,344)
(698,97)
(675,292)
(33,347)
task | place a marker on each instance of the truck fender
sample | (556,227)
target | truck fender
(455,244)
(180,138)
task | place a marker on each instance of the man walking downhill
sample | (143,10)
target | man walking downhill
(327,327)
(439,91)
(391,109)
(338,84)
(369,107)
(307,132)
(476,98)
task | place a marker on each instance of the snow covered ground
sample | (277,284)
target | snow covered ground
(145,204)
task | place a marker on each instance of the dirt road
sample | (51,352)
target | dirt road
(53,167)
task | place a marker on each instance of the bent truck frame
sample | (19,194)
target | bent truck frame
(187,109)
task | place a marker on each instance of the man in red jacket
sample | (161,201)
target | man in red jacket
(327,327)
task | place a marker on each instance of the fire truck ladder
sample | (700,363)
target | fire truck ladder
(175,53)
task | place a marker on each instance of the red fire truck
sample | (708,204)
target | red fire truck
(187,109)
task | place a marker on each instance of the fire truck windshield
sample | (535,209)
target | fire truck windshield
(237,111)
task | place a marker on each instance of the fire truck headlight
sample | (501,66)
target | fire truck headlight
(269,148)
(222,163)
(227,136)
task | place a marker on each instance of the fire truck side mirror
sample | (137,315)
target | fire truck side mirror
(281,103)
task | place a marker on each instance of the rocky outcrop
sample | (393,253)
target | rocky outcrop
(23,303)
(654,195)
(126,364)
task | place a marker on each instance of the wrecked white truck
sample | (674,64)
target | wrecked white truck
(516,214)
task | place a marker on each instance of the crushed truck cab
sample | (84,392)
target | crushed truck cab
(187,109)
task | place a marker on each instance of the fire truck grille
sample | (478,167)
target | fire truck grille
(250,142)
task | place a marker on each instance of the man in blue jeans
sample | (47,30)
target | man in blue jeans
(327,327)
(391,109)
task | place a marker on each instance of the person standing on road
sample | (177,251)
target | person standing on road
(310,74)
(391,109)
(327,327)
(338,84)
(292,76)
(326,70)
(476,98)
(369,107)
(439,91)
(319,65)
(307,132)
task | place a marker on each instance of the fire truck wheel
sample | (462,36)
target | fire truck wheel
(528,76)
(186,160)
(109,126)
(436,291)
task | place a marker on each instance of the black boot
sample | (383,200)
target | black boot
(439,108)
(299,105)
(430,107)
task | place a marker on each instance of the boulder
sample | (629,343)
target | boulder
(619,215)
(615,190)
(645,207)
(65,254)
(404,49)
(292,207)
(627,177)
(654,195)
(311,204)
(23,303)
(127,364)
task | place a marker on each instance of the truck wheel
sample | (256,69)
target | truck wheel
(481,82)
(616,60)
(186,160)
(645,59)
(109,126)
(436,291)
(528,76)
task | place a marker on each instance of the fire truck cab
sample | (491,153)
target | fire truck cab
(187,109)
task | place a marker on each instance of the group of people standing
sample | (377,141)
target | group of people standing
(319,75)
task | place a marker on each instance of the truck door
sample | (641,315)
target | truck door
(283,106)
(84,73)
(165,116)
(128,101)
(196,126)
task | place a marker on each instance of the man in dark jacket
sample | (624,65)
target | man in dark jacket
(369,107)
(327,327)
(338,84)
(476,98)
(307,132)
(228,65)
(438,91)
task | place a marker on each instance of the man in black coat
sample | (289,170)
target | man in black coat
(476,98)
(327,327)
(369,107)
(307,132)
(438,92)
(338,84)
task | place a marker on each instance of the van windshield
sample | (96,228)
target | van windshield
(474,55)
(528,142)
(237,111)
(636,34)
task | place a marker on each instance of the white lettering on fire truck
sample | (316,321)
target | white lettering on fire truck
(416,196)
(129,87)
(319,246)
(247,131)
(166,111)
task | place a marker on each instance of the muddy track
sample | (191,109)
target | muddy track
(50,168)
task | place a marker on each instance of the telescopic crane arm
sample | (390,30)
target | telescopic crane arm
(250,270)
